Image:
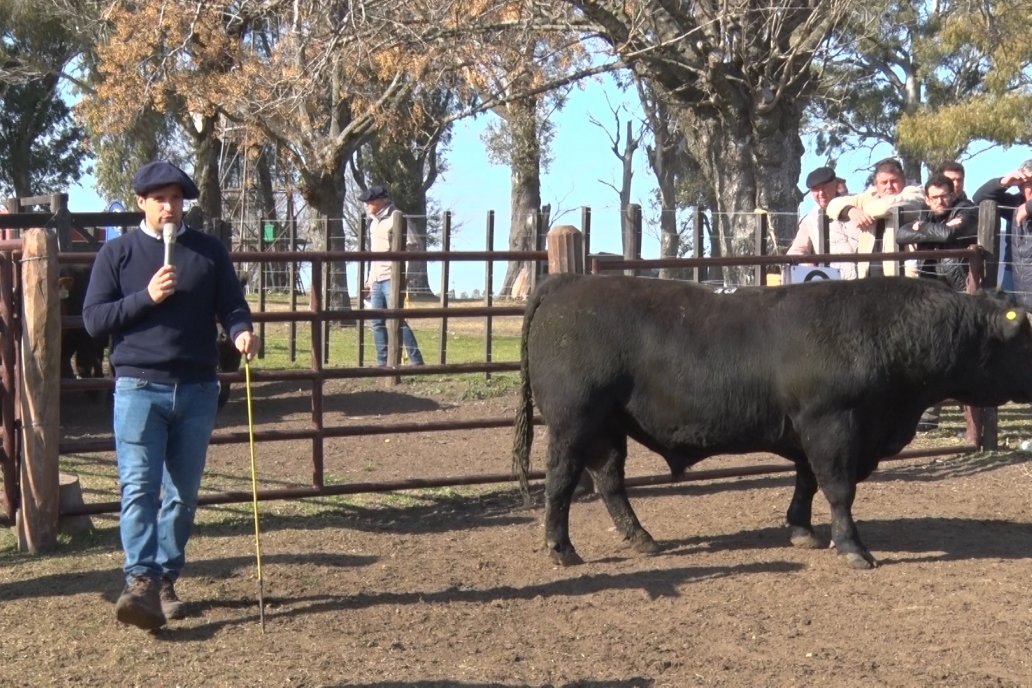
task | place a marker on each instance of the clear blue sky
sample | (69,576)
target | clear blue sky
(582,165)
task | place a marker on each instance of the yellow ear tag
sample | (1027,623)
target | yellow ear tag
(1011,315)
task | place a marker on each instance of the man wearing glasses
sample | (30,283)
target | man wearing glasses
(946,222)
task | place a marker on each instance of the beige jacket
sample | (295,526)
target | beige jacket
(843,237)
(380,229)
(878,207)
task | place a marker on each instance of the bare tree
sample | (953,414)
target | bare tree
(623,144)
(739,75)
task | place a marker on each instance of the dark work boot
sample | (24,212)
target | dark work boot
(140,604)
(171,605)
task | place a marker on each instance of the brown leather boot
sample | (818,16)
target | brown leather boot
(140,605)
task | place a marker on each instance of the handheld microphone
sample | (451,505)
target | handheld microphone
(168,235)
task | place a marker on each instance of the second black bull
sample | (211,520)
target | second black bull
(87,352)
(833,376)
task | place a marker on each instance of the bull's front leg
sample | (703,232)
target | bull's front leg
(840,493)
(564,470)
(800,510)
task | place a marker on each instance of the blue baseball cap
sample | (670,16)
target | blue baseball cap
(159,173)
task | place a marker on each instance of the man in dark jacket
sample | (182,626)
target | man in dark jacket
(158,297)
(1015,209)
(946,222)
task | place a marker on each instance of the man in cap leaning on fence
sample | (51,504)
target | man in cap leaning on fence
(380,208)
(161,320)
(842,235)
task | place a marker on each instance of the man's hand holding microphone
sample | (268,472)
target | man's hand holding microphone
(163,283)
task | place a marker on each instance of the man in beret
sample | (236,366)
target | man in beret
(842,236)
(161,320)
(379,207)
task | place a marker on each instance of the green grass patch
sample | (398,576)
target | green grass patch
(459,346)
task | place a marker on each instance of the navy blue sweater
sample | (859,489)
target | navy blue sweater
(171,341)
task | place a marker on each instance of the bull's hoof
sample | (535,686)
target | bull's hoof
(565,557)
(645,545)
(860,561)
(804,538)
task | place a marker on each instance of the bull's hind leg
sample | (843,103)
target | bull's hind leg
(844,534)
(609,483)
(800,510)
(565,465)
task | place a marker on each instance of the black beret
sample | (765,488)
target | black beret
(159,173)
(822,175)
(373,193)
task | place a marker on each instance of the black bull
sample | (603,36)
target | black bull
(76,343)
(832,376)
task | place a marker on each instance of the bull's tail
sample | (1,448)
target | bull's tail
(523,435)
(524,406)
(524,427)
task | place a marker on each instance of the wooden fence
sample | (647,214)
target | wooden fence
(30,476)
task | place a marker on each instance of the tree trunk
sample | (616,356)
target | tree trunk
(526,185)
(417,281)
(662,159)
(325,195)
(277,275)
(748,168)
(208,150)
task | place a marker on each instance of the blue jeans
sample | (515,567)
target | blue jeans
(161,438)
(378,299)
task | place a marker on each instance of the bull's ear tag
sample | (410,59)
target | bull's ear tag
(1012,315)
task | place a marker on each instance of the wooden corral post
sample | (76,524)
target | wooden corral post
(823,234)
(61,221)
(8,390)
(37,521)
(446,225)
(697,236)
(394,298)
(892,268)
(989,240)
(586,230)
(760,240)
(70,497)
(632,235)
(983,423)
(565,250)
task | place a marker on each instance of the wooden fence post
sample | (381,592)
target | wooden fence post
(8,392)
(989,239)
(760,244)
(37,521)
(586,229)
(698,273)
(394,299)
(565,250)
(632,223)
(983,423)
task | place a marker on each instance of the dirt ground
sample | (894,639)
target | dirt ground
(451,587)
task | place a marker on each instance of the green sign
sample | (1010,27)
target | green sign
(268,232)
